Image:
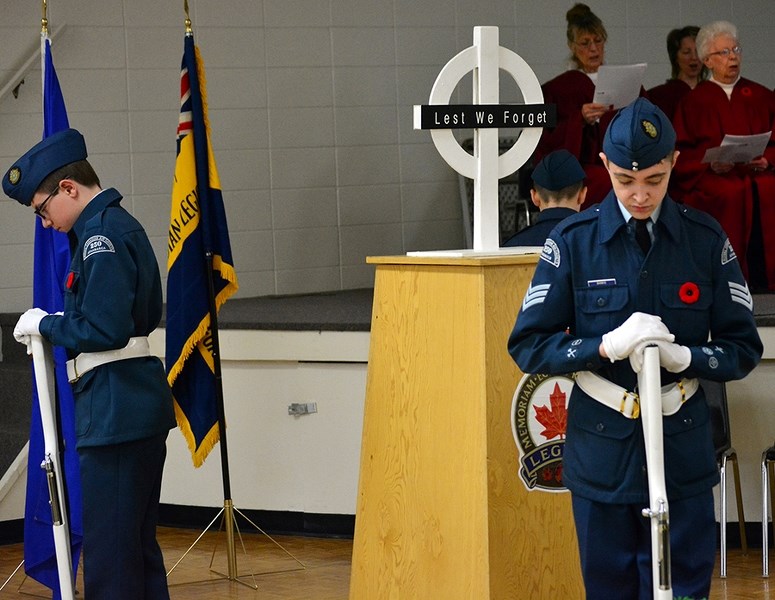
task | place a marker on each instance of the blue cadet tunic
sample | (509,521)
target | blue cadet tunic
(536,234)
(113,292)
(591,277)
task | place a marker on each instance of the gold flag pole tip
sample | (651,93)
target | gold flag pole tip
(189,31)
(44,18)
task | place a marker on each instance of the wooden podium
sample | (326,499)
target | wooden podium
(441,511)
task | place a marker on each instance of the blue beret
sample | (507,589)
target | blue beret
(25,176)
(639,136)
(558,170)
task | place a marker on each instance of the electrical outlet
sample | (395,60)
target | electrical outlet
(297,409)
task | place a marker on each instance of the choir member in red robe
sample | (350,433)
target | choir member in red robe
(581,123)
(740,196)
(687,70)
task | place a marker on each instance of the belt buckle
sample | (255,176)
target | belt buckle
(635,404)
(680,385)
(76,374)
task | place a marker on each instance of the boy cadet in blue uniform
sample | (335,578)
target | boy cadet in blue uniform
(558,192)
(123,404)
(595,300)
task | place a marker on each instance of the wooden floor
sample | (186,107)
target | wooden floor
(319,569)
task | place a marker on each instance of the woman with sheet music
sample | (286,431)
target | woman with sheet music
(581,123)
(740,195)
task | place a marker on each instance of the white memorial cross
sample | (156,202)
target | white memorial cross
(485,58)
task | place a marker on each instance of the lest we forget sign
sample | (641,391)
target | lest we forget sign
(485,58)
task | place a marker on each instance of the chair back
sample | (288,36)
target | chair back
(716,397)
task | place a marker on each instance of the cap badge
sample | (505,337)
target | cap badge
(649,129)
(14,175)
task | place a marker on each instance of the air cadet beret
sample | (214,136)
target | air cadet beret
(639,136)
(558,170)
(25,176)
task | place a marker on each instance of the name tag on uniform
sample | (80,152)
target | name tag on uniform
(600,282)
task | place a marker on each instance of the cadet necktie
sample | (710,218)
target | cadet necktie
(642,235)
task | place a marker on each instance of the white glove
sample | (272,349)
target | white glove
(639,327)
(673,357)
(28,324)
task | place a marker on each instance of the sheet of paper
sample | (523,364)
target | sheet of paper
(738,148)
(618,85)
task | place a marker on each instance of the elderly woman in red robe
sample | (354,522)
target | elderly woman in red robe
(581,123)
(741,196)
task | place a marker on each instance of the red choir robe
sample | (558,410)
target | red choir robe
(569,91)
(702,119)
(667,95)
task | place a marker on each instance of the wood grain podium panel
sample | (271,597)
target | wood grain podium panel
(441,510)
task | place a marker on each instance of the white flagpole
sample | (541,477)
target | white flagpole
(649,392)
(45,380)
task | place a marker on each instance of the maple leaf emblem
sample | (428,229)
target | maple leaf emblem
(554,419)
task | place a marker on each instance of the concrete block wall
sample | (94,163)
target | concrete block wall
(311,114)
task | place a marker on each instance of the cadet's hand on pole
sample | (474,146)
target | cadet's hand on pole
(27,325)
(673,357)
(638,328)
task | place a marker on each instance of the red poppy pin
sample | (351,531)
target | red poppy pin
(746,91)
(689,293)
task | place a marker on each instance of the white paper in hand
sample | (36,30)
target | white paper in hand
(618,85)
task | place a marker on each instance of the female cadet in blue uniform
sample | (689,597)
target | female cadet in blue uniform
(123,404)
(596,298)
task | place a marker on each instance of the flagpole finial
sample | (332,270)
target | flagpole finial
(189,31)
(44,18)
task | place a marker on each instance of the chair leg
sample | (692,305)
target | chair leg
(739,501)
(723,528)
(765,518)
(771,479)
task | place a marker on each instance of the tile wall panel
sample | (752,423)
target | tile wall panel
(311,113)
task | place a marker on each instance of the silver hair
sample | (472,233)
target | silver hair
(710,32)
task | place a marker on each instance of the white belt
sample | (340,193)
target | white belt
(86,361)
(627,403)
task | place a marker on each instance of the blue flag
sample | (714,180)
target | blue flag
(197,229)
(51,264)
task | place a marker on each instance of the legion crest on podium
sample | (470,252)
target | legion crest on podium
(539,421)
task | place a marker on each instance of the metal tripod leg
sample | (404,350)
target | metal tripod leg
(15,571)
(229,523)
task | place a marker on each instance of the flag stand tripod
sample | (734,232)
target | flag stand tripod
(229,522)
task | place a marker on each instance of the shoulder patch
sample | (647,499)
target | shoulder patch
(727,253)
(551,252)
(96,244)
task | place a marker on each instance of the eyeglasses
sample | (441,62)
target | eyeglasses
(42,206)
(587,44)
(726,52)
